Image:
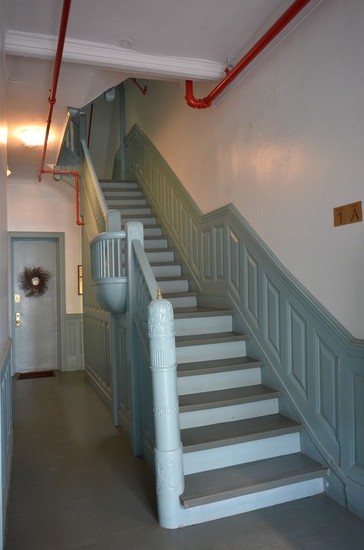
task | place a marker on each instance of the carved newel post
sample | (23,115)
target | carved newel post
(168,447)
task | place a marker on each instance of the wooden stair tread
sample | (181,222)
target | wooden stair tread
(238,431)
(179,294)
(243,479)
(213,338)
(226,397)
(217,365)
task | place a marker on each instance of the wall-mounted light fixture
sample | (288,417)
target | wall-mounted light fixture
(8,171)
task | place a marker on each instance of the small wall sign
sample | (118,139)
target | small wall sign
(348,213)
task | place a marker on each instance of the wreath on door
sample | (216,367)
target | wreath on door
(34,281)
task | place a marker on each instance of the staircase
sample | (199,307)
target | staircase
(239,452)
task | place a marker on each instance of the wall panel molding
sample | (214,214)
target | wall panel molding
(311,357)
(74,342)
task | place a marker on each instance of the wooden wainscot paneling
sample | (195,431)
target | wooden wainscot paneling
(251,286)
(272,315)
(297,349)
(234,262)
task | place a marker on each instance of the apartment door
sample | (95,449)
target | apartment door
(35,303)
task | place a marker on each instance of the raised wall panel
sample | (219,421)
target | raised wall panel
(234,261)
(358,410)
(184,229)
(327,380)
(74,347)
(175,213)
(194,248)
(272,315)
(252,286)
(219,253)
(297,366)
(206,254)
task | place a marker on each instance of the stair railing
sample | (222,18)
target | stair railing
(152,341)
(151,368)
(168,447)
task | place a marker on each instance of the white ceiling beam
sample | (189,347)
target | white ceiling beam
(111,57)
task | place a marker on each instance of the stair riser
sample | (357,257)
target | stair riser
(218,381)
(255,501)
(139,211)
(183,301)
(166,270)
(118,185)
(241,453)
(155,243)
(125,204)
(203,325)
(144,219)
(128,195)
(160,256)
(152,231)
(205,417)
(208,352)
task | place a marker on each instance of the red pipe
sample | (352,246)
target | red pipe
(56,71)
(76,176)
(262,43)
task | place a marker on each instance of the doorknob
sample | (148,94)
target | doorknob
(17,320)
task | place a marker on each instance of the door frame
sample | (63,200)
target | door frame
(59,239)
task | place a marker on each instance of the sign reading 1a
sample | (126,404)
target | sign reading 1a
(349,213)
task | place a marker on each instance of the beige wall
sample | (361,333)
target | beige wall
(49,207)
(3,214)
(285,146)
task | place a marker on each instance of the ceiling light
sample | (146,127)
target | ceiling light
(3,134)
(32,137)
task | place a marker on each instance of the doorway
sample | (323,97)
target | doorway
(37,301)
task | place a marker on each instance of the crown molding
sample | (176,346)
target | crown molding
(107,56)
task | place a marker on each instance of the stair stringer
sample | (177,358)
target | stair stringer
(307,352)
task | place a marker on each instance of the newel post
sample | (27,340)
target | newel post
(168,446)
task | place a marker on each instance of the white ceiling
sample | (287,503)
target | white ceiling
(170,39)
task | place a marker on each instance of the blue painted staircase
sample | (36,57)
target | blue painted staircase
(239,452)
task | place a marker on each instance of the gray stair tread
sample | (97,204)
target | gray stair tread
(173,278)
(212,486)
(160,250)
(163,263)
(224,398)
(238,431)
(198,339)
(180,294)
(217,365)
(198,311)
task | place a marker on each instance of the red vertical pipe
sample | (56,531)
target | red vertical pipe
(56,70)
(77,199)
(262,43)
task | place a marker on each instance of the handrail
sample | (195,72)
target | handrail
(93,190)
(145,268)
(56,70)
(262,43)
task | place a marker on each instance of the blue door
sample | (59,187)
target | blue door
(35,296)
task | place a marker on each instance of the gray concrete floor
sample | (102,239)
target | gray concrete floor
(76,485)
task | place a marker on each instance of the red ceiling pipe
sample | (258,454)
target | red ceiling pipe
(56,71)
(76,176)
(262,43)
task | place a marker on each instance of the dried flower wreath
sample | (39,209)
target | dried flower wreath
(34,281)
